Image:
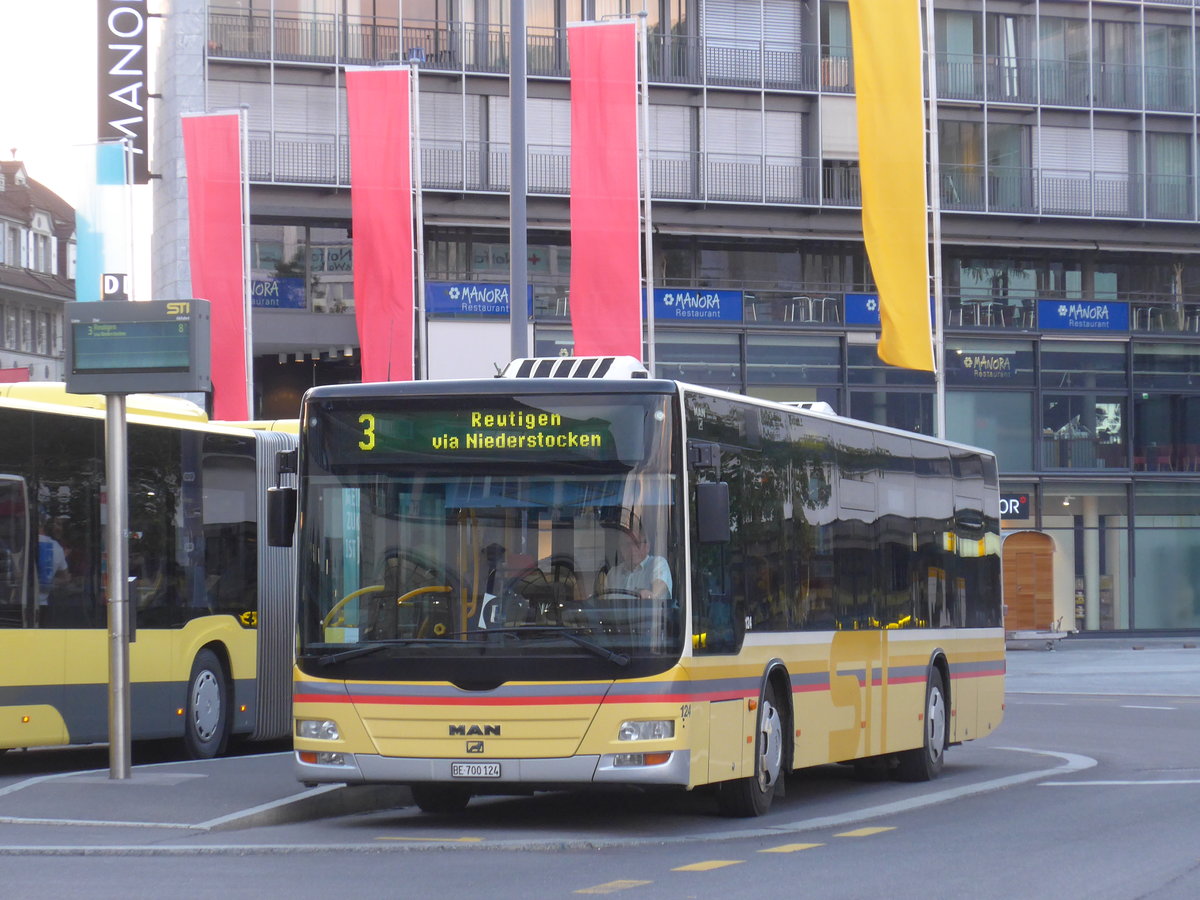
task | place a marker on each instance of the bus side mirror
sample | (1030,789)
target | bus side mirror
(712,512)
(281,516)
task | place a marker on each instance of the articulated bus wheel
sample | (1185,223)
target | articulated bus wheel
(206,717)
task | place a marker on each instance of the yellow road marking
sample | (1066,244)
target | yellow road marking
(864,832)
(707,865)
(439,840)
(612,887)
(790,848)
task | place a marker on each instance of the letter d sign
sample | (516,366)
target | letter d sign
(112,287)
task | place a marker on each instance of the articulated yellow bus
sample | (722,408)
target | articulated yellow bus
(212,605)
(575,574)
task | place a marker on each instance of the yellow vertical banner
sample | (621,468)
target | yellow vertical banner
(891,147)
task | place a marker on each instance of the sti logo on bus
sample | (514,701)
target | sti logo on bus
(468,730)
(179,308)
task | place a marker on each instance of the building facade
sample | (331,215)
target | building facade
(1068,145)
(37,272)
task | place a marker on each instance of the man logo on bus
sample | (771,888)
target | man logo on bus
(472,730)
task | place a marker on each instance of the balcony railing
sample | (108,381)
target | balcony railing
(1018,190)
(673,59)
(475,166)
(328,38)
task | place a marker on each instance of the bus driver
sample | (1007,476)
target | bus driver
(637,570)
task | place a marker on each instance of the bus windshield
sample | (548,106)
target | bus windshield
(490,539)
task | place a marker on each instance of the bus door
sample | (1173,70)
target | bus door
(31,658)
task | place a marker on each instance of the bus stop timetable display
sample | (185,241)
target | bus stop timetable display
(112,347)
(146,346)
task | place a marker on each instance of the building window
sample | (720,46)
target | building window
(1167,556)
(1002,421)
(1084,431)
(1089,524)
(794,367)
(43,334)
(10,328)
(27,330)
(700,357)
(907,411)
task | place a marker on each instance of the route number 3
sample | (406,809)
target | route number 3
(367,421)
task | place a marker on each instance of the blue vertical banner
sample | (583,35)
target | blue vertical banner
(102,223)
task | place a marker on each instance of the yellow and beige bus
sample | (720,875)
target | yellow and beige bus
(212,604)
(575,574)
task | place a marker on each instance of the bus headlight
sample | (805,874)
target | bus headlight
(649,730)
(317,729)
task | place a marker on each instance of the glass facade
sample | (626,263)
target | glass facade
(1070,284)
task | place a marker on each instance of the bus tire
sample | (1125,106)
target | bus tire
(440,798)
(924,763)
(743,798)
(206,714)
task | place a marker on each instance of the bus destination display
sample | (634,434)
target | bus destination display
(478,432)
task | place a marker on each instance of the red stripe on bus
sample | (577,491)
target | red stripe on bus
(400,700)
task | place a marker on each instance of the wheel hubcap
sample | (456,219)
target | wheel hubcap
(936,719)
(770,748)
(206,705)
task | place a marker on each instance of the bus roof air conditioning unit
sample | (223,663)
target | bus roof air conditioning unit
(576,367)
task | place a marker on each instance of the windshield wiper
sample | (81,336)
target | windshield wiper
(367,649)
(621,659)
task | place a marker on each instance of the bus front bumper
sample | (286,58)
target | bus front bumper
(363,768)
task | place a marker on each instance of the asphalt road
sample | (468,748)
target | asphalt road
(1089,789)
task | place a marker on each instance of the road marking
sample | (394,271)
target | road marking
(440,840)
(1119,783)
(708,865)
(1131,706)
(866,832)
(612,887)
(1068,763)
(790,848)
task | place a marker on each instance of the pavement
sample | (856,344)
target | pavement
(162,802)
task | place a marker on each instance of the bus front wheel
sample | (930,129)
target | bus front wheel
(206,716)
(924,763)
(746,797)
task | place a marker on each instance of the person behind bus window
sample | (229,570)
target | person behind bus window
(637,570)
(51,564)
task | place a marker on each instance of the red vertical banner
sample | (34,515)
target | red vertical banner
(212,152)
(606,307)
(381,212)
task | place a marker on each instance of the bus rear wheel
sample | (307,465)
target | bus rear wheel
(924,763)
(440,798)
(206,715)
(746,797)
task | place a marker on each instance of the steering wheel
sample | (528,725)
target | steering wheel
(341,604)
(375,589)
(623,593)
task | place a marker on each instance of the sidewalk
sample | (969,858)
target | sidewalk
(201,796)
(1149,666)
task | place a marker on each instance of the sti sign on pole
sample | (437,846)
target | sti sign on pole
(117,349)
(122,78)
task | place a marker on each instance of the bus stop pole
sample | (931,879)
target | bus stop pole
(116,536)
